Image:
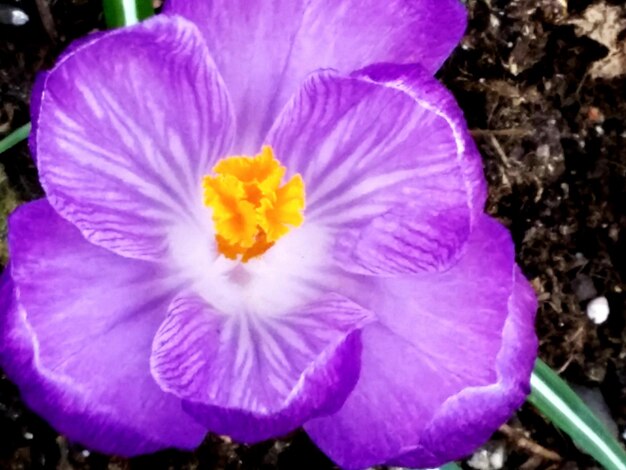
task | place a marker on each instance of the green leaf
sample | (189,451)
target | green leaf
(560,404)
(450,466)
(119,13)
(15,137)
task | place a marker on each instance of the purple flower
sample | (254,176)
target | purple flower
(345,280)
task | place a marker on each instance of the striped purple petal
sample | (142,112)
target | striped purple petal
(77,325)
(389,167)
(265,50)
(123,140)
(254,377)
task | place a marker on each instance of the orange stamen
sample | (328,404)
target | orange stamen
(251,210)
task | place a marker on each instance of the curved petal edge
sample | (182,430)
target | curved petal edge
(253,378)
(478,413)
(76,322)
(448,362)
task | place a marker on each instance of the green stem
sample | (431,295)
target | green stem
(119,13)
(560,404)
(450,466)
(15,137)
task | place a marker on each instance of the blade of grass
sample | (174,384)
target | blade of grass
(450,466)
(119,13)
(15,137)
(560,404)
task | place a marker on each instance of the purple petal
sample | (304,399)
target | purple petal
(123,140)
(388,165)
(39,87)
(78,340)
(265,50)
(253,377)
(440,372)
(488,406)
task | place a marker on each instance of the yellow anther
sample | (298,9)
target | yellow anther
(251,210)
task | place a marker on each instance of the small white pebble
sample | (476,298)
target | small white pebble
(18,17)
(598,310)
(543,151)
(480,460)
(497,458)
(28,436)
(488,458)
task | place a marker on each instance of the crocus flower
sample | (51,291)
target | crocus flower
(261,216)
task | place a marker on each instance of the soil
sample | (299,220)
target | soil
(542,84)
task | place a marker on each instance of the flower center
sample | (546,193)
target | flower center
(251,209)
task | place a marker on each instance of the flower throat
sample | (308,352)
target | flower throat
(252,209)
